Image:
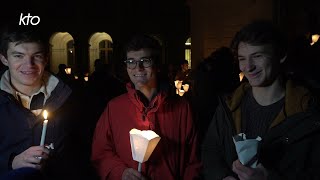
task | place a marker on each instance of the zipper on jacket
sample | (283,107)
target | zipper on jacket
(144,113)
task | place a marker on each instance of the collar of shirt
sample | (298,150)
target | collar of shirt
(48,85)
(27,100)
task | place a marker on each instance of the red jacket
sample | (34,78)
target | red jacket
(175,155)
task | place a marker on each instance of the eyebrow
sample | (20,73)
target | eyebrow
(17,52)
(259,52)
(140,58)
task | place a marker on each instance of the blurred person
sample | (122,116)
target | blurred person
(216,75)
(62,74)
(184,71)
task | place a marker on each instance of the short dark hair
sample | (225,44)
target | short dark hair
(183,61)
(143,41)
(98,62)
(21,34)
(261,32)
(62,67)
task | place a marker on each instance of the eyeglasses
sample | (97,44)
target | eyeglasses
(131,64)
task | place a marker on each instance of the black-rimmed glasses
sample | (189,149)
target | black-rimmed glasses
(131,64)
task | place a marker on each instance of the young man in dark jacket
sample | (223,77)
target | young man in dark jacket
(281,112)
(26,90)
(146,106)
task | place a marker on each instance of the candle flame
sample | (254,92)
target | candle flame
(45,114)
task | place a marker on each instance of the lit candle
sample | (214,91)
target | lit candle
(241,75)
(176,83)
(185,87)
(68,70)
(44,127)
(314,38)
(179,85)
(181,92)
(142,145)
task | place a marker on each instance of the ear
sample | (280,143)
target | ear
(282,60)
(4,60)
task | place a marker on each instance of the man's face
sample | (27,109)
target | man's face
(258,63)
(26,63)
(184,67)
(141,76)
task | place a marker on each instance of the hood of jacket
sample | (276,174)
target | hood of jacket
(296,100)
(154,104)
(56,92)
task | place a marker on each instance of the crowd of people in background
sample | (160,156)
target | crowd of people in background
(278,100)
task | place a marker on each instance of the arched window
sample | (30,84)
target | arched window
(188,51)
(100,48)
(70,53)
(105,50)
(62,51)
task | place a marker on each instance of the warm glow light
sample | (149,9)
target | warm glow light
(76,77)
(181,92)
(314,38)
(45,114)
(185,87)
(179,85)
(86,78)
(68,70)
(148,134)
(176,83)
(44,128)
(187,43)
(241,75)
(142,144)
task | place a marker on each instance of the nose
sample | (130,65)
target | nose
(29,60)
(140,65)
(250,66)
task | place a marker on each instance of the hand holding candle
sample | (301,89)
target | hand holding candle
(181,92)
(44,127)
(185,87)
(247,149)
(179,84)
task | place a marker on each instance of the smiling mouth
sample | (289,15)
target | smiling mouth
(254,75)
(28,72)
(139,75)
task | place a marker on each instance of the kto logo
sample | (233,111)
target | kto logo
(25,20)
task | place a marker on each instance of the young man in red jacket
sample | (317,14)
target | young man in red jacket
(146,106)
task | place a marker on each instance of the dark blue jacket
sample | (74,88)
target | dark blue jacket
(21,129)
